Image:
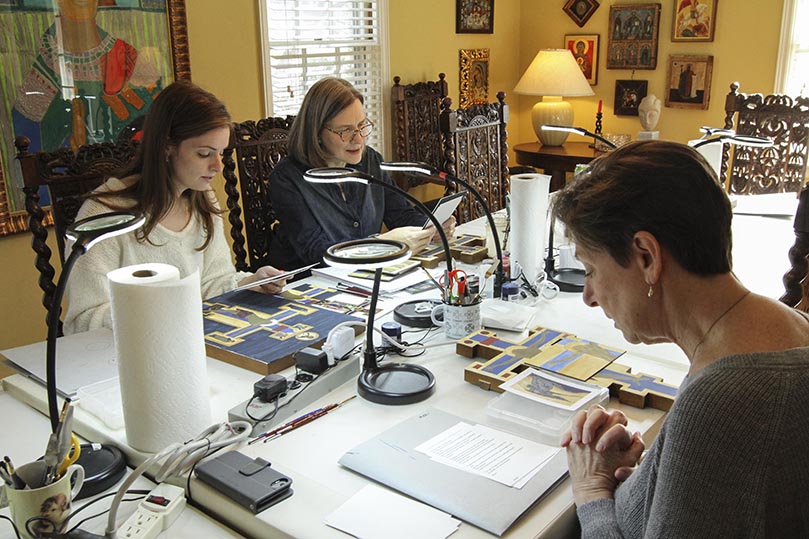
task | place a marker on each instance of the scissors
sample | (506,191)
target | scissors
(70,456)
(455,285)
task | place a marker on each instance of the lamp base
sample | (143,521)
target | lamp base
(568,279)
(551,111)
(396,383)
(104,466)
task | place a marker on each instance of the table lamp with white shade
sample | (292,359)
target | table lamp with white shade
(553,74)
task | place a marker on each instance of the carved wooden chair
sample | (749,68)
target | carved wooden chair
(475,150)
(68,177)
(258,147)
(416,134)
(778,169)
(796,280)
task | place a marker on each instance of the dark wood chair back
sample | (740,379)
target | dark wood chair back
(475,149)
(68,177)
(416,134)
(258,147)
(778,169)
(796,280)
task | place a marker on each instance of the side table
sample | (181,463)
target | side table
(555,160)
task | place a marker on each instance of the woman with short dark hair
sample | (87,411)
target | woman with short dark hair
(330,131)
(652,227)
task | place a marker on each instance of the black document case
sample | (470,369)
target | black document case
(392,460)
(251,483)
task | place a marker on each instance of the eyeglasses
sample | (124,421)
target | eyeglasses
(347,133)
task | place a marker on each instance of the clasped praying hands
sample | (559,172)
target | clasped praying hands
(601,452)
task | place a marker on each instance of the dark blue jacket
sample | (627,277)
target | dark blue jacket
(312,217)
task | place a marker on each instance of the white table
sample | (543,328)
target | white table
(25,433)
(309,455)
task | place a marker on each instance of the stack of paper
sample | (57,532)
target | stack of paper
(376,513)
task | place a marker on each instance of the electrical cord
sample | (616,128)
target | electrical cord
(269,415)
(13,526)
(179,458)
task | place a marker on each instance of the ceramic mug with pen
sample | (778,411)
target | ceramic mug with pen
(458,320)
(48,505)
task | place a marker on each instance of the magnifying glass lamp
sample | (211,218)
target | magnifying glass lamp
(579,131)
(392,383)
(84,233)
(423,169)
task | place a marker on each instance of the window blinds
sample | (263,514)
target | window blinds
(307,40)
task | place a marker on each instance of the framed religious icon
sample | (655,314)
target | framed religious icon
(585,50)
(633,36)
(693,20)
(474,16)
(78,72)
(689,82)
(628,95)
(474,77)
(580,10)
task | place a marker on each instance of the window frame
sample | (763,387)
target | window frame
(381,130)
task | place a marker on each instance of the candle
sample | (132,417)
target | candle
(599,105)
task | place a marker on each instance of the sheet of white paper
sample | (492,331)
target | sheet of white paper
(378,513)
(497,455)
(403,281)
(506,315)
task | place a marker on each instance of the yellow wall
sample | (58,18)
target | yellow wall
(745,49)
(226,59)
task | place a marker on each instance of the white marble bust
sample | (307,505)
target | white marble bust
(649,112)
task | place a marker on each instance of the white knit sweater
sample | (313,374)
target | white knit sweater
(88,290)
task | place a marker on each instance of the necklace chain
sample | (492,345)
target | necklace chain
(720,317)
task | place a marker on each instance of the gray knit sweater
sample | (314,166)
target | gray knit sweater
(731,460)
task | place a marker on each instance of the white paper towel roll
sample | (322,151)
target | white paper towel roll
(159,338)
(529,208)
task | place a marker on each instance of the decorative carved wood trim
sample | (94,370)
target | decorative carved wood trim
(416,135)
(258,147)
(475,150)
(68,177)
(780,168)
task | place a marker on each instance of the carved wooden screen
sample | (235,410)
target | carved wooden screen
(777,169)
(475,150)
(416,133)
(68,177)
(258,146)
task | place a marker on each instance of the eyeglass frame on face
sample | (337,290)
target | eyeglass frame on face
(367,124)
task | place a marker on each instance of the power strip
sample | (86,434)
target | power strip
(154,514)
(328,381)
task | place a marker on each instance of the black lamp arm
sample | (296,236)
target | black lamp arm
(53,333)
(433,172)
(416,202)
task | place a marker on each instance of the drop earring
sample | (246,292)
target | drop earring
(651,292)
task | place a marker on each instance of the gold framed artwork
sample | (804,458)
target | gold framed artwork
(689,81)
(126,55)
(633,36)
(474,17)
(693,20)
(584,48)
(474,77)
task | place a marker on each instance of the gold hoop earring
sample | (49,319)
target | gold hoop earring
(651,292)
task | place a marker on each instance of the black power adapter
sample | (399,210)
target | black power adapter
(311,360)
(270,387)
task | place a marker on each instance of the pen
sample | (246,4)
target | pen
(353,290)
(306,419)
(275,430)
(438,286)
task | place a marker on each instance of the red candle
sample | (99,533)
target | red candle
(599,105)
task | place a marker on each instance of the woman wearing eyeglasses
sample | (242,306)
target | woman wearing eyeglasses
(330,131)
